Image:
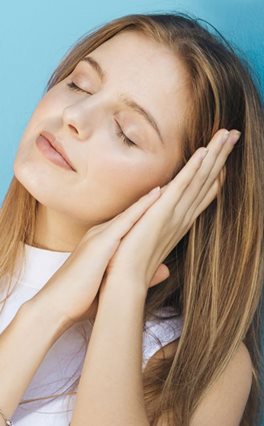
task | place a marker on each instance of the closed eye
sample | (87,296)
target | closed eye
(73,86)
(119,131)
(121,134)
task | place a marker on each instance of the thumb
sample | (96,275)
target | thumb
(160,275)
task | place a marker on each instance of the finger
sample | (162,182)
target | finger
(204,199)
(210,196)
(115,229)
(187,174)
(213,172)
(125,220)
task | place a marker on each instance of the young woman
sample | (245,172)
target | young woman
(147,304)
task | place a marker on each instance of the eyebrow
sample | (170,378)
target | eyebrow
(127,101)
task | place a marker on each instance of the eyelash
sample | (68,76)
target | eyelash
(119,132)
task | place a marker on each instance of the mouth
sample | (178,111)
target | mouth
(58,147)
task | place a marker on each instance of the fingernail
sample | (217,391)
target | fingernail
(224,136)
(155,190)
(235,137)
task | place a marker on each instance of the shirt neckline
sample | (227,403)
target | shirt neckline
(38,265)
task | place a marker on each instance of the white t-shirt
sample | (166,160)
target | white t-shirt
(63,362)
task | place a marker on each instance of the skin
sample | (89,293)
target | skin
(69,206)
(110,174)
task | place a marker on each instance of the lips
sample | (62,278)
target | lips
(57,146)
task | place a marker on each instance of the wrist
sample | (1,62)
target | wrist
(44,312)
(124,289)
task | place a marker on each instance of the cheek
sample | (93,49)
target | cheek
(50,105)
(117,180)
(47,109)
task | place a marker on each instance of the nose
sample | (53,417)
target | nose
(81,117)
(73,128)
(73,121)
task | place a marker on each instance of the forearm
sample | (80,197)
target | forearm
(110,391)
(23,345)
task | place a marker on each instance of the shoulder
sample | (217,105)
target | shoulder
(227,397)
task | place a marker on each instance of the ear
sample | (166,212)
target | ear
(161,274)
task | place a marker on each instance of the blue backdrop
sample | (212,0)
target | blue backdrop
(34,36)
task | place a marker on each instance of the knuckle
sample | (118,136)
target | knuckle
(183,182)
(203,173)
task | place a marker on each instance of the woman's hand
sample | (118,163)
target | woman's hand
(144,248)
(138,239)
(72,289)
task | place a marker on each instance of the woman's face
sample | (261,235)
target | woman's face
(110,174)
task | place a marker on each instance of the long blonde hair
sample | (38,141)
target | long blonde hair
(217,268)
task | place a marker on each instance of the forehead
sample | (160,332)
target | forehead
(150,73)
